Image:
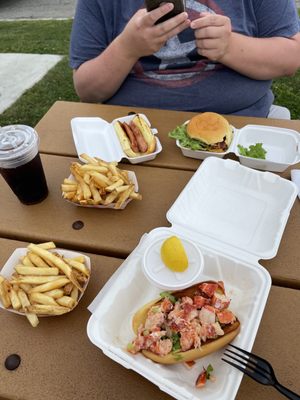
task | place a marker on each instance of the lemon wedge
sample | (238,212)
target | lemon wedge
(173,254)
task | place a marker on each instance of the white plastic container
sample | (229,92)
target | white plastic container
(236,216)
(97,138)
(282,146)
(9,268)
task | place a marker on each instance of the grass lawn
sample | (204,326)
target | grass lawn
(52,37)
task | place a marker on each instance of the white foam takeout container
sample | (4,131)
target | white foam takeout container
(236,215)
(132,178)
(9,268)
(97,138)
(164,278)
(282,146)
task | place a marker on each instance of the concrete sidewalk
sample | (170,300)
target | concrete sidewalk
(37,9)
(19,72)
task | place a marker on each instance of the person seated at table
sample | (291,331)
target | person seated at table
(217,56)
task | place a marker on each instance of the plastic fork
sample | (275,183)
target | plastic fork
(256,368)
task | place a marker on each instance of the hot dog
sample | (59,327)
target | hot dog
(136,137)
(185,325)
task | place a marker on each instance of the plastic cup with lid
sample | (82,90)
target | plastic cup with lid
(20,163)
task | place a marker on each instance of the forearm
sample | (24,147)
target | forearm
(262,58)
(98,79)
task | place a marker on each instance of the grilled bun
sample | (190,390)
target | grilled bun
(136,138)
(209,346)
(147,133)
(210,128)
(124,141)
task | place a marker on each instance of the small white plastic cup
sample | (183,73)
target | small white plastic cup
(20,163)
(163,277)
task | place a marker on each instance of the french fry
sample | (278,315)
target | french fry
(36,270)
(33,319)
(25,286)
(56,293)
(69,188)
(66,301)
(41,298)
(33,280)
(44,309)
(26,261)
(47,245)
(45,287)
(36,260)
(79,266)
(80,259)
(115,185)
(100,179)
(31,316)
(4,293)
(89,159)
(65,268)
(91,167)
(74,294)
(123,197)
(14,299)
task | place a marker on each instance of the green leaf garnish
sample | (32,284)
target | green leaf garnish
(254,151)
(169,296)
(180,134)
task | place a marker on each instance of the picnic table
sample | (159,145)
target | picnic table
(57,359)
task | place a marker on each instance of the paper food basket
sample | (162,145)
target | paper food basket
(237,216)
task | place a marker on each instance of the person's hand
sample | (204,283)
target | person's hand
(141,37)
(212,34)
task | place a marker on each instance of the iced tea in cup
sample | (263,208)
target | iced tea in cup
(20,163)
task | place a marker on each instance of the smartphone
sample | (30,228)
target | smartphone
(179,7)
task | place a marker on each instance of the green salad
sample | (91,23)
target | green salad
(179,133)
(254,151)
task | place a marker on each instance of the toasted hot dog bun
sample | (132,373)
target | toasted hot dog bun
(143,129)
(208,347)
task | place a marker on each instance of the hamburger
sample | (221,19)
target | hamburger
(208,131)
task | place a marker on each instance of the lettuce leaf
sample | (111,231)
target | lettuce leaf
(180,134)
(254,151)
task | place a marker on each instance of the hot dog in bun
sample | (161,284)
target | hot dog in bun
(208,131)
(136,137)
(185,325)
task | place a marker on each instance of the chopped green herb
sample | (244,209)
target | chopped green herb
(209,370)
(254,151)
(176,342)
(155,309)
(130,346)
(169,296)
(177,357)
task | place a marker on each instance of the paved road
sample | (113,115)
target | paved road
(36,9)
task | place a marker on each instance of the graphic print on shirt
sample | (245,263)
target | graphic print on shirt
(177,63)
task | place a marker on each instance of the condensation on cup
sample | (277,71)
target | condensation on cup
(20,163)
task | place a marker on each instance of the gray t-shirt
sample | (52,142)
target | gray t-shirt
(176,77)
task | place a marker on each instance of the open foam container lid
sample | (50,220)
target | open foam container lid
(234,208)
